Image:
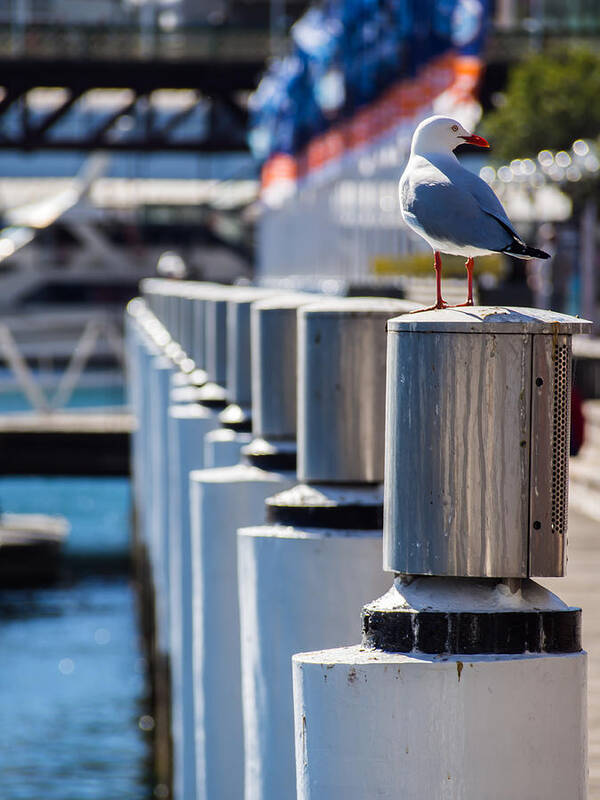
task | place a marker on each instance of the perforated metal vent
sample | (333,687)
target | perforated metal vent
(561,437)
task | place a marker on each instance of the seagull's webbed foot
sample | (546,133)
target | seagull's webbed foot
(462,305)
(436,307)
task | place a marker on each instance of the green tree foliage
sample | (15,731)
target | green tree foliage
(551,99)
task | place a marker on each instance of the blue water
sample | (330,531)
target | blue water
(73,688)
(75,722)
(98,509)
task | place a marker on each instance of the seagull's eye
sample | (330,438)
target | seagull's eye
(454,128)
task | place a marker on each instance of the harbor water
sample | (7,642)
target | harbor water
(76,720)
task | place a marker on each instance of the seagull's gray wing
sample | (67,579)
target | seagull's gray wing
(446,210)
(480,190)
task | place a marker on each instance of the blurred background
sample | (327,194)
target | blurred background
(227,140)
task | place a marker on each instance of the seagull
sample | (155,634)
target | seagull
(451,208)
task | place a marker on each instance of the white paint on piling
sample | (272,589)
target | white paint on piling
(161,371)
(221,500)
(299,590)
(373,724)
(222,447)
(188,424)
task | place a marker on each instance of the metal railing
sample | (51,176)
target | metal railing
(94,328)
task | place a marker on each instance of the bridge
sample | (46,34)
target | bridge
(218,66)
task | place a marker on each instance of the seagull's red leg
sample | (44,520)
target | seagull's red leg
(437,260)
(469,267)
(440,302)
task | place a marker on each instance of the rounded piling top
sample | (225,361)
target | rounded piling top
(248,294)
(201,290)
(359,306)
(168,287)
(489,319)
(285,301)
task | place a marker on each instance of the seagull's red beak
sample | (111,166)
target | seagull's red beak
(478,141)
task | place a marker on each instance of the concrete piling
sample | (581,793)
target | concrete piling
(188,425)
(304,577)
(168,444)
(149,393)
(222,447)
(223,499)
(470,679)
(190,421)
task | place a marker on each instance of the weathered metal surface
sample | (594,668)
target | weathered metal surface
(495,319)
(274,384)
(238,381)
(341,389)
(477,445)
(215,338)
(457,460)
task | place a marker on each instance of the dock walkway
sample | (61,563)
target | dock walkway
(65,443)
(581,588)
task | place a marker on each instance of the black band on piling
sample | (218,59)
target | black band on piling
(276,462)
(239,427)
(353,516)
(313,506)
(470,633)
(213,403)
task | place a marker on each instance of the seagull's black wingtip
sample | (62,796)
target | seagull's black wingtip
(521,250)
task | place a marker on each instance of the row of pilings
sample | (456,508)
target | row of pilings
(274,483)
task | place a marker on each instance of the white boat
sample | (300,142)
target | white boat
(30,546)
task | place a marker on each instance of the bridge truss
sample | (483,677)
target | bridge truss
(214,70)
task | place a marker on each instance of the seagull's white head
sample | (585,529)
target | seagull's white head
(442,135)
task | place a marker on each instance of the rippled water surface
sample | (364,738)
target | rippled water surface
(72,676)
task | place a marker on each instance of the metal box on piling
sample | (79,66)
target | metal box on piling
(273,329)
(341,391)
(238,375)
(477,442)
(215,335)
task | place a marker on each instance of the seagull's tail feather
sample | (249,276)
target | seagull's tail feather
(517,247)
(522,250)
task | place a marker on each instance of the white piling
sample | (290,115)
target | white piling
(149,351)
(166,449)
(188,425)
(470,681)
(222,447)
(223,499)
(375,724)
(296,586)
(134,349)
(176,447)
(160,376)
(327,542)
